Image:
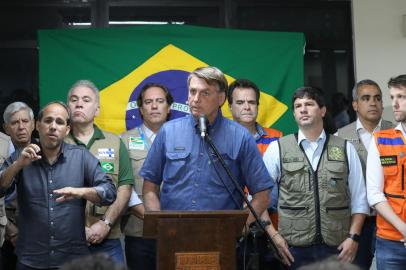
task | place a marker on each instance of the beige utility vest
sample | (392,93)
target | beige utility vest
(137,147)
(4,154)
(103,150)
(314,206)
(350,134)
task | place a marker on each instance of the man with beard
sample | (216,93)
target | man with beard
(367,102)
(386,183)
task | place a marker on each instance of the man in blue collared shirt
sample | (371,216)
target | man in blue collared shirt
(190,175)
(322,198)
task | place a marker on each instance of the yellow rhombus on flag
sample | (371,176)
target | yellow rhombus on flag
(115,99)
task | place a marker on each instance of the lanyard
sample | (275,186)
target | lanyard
(143,138)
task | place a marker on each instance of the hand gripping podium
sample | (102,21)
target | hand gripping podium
(195,240)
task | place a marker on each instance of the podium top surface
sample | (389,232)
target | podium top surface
(151,218)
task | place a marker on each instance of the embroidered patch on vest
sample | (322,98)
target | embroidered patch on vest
(292,159)
(389,160)
(107,167)
(335,153)
(135,143)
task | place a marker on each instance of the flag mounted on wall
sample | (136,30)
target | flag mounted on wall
(121,60)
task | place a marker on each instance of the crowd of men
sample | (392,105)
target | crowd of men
(77,188)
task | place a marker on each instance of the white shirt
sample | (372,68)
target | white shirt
(375,178)
(364,134)
(134,199)
(313,151)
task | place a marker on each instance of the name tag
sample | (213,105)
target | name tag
(136,143)
(389,160)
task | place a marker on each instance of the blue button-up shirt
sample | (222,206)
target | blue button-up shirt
(191,176)
(50,232)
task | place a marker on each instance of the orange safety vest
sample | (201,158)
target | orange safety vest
(392,150)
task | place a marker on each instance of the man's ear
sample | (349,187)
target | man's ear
(355,106)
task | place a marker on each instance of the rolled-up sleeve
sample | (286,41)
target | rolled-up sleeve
(356,183)
(374,176)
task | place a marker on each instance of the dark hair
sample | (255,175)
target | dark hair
(92,262)
(311,93)
(242,83)
(330,263)
(41,112)
(168,96)
(362,83)
(399,81)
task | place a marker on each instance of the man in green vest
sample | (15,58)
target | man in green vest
(19,124)
(4,154)
(102,223)
(322,198)
(367,102)
(154,102)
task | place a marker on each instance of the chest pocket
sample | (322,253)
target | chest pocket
(137,159)
(175,162)
(296,176)
(336,182)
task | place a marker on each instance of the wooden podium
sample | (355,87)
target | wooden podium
(195,240)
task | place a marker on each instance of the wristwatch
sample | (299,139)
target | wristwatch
(107,222)
(354,237)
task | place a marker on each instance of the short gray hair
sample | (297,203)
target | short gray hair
(211,75)
(14,107)
(86,83)
(362,83)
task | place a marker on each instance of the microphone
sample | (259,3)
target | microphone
(203,125)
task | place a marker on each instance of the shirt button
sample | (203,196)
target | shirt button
(52,223)
(52,237)
(50,181)
(201,154)
(52,209)
(52,252)
(51,195)
(193,201)
(196,184)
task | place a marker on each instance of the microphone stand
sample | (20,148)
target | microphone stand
(241,192)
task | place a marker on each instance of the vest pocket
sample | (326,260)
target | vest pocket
(338,220)
(296,176)
(336,182)
(294,224)
(390,170)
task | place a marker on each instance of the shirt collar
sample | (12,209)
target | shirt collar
(97,135)
(149,133)
(399,127)
(217,121)
(301,137)
(359,126)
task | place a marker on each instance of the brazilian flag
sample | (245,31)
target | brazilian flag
(121,60)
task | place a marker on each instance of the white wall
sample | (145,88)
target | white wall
(379,42)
